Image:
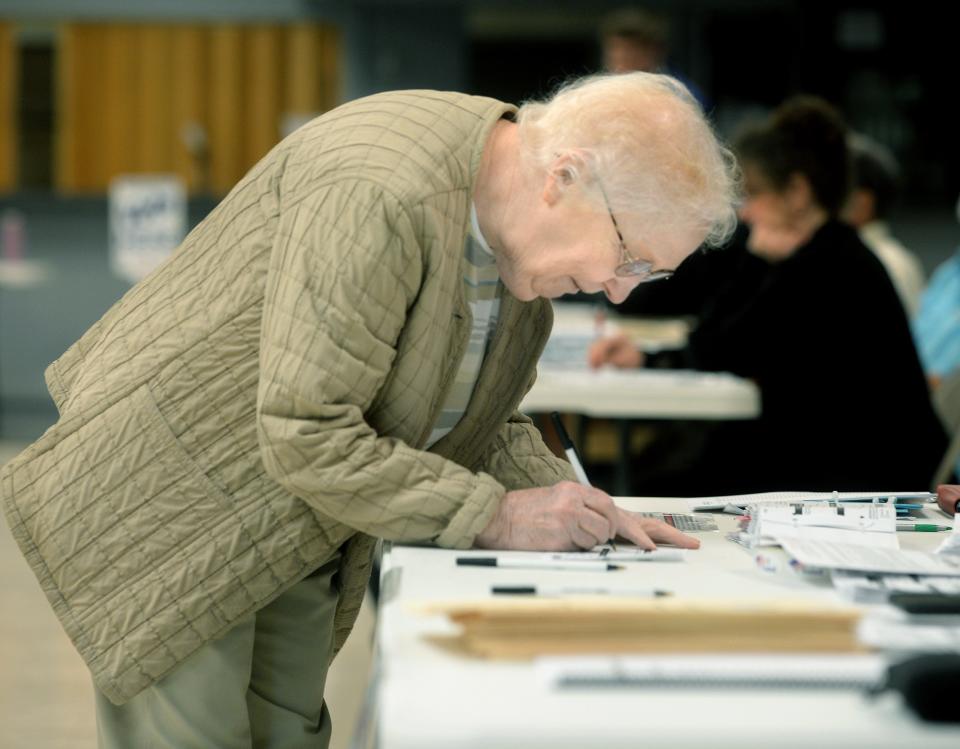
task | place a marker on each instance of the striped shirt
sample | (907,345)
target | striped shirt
(481,285)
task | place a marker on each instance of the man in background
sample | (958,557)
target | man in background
(638,39)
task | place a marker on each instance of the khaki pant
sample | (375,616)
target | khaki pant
(260,685)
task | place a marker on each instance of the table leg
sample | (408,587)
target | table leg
(622,478)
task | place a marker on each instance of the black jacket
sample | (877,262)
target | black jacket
(845,401)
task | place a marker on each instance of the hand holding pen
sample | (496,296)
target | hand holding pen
(567,516)
(561,517)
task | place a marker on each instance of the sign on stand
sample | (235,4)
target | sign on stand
(148,220)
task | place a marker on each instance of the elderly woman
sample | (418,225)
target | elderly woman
(811,315)
(334,355)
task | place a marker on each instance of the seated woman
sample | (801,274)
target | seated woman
(813,318)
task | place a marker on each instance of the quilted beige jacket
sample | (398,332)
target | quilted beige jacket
(262,399)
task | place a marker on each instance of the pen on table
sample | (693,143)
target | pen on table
(571,453)
(545,590)
(536,564)
(923,527)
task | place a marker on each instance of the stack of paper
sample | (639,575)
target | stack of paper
(534,627)
(903,501)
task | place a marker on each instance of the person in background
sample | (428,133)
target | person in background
(936,327)
(816,322)
(637,39)
(334,355)
(634,39)
(936,330)
(876,182)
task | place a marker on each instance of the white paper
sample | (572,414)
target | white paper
(892,629)
(624,553)
(951,544)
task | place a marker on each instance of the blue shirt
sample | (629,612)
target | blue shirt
(936,327)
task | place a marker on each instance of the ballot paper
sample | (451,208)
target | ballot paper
(623,553)
(826,555)
(951,544)
(866,525)
(568,350)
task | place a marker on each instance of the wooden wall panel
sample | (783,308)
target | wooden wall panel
(154,102)
(92,105)
(263,100)
(304,58)
(191,142)
(9,73)
(121,86)
(225,87)
(329,69)
(128,94)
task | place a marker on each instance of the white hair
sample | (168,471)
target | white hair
(646,142)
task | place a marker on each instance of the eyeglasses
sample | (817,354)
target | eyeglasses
(630,266)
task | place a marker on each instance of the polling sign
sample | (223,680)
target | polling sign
(148,220)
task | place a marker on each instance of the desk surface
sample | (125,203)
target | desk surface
(432,698)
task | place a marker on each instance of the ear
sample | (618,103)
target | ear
(798,193)
(565,171)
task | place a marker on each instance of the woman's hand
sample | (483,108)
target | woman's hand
(948,497)
(617,350)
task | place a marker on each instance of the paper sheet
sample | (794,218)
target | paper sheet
(828,555)
(624,553)
(951,544)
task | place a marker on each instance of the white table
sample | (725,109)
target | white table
(430,698)
(566,384)
(643,394)
(630,395)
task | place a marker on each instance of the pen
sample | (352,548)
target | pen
(544,590)
(536,564)
(571,453)
(923,527)
(569,449)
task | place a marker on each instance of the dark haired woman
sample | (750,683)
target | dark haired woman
(812,317)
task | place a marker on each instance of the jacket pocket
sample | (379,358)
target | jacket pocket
(126,500)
